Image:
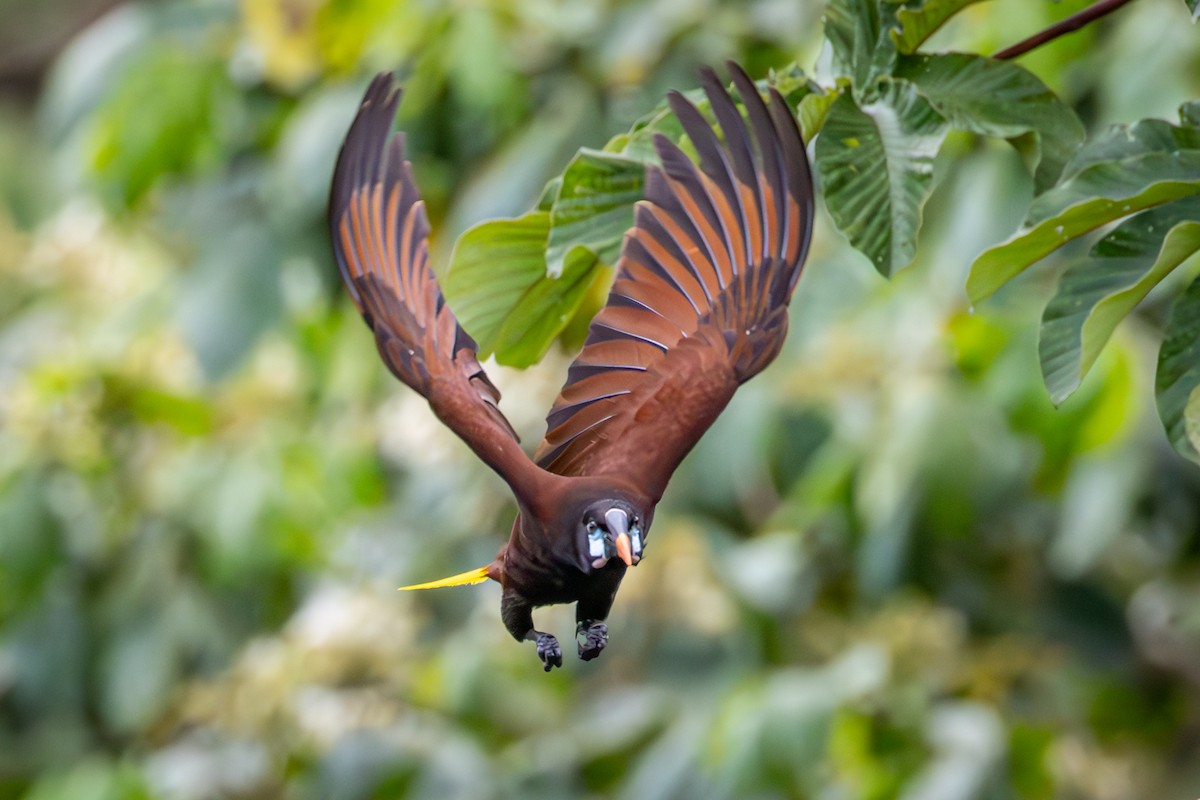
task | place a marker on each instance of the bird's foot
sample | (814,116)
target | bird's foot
(591,638)
(549,651)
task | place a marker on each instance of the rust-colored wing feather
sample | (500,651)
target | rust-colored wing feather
(380,239)
(699,304)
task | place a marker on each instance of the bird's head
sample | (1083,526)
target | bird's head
(610,528)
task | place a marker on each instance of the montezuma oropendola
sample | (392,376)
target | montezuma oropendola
(699,306)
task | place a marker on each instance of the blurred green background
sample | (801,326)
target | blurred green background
(892,569)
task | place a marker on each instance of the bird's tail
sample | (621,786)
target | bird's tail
(462,579)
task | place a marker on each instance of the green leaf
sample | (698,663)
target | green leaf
(171,114)
(1095,294)
(1194,7)
(549,192)
(813,110)
(1100,194)
(917,23)
(498,287)
(492,267)
(876,163)
(639,142)
(1177,383)
(863,51)
(594,206)
(1189,114)
(792,83)
(546,309)
(1144,136)
(999,98)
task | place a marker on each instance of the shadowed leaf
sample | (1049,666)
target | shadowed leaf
(1095,294)
(999,98)
(1177,384)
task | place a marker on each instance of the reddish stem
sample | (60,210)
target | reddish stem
(1071,23)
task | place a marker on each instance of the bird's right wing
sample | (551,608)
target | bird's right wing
(699,304)
(380,238)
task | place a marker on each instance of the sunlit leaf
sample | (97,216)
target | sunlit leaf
(813,110)
(1095,294)
(1177,384)
(593,206)
(546,308)
(498,286)
(491,268)
(876,163)
(639,142)
(1100,194)
(917,23)
(792,83)
(999,98)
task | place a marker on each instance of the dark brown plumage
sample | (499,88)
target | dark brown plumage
(699,306)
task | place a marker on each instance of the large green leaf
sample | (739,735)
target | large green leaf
(546,309)
(498,287)
(1100,194)
(593,206)
(917,22)
(998,98)
(862,49)
(876,164)
(1177,383)
(1095,294)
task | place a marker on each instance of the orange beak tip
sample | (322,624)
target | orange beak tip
(624,549)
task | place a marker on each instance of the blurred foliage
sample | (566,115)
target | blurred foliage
(892,569)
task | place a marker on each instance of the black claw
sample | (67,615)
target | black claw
(549,651)
(591,639)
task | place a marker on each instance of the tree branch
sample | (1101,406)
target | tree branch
(1071,23)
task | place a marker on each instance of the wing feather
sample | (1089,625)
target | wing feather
(380,237)
(699,304)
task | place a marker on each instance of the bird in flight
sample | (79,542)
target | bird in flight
(698,307)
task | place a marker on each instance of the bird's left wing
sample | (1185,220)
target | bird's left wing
(699,302)
(380,238)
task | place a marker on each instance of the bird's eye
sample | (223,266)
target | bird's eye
(591,526)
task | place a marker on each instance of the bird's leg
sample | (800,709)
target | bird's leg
(591,632)
(517,614)
(591,635)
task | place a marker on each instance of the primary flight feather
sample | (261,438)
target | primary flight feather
(698,307)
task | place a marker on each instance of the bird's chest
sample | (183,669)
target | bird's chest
(543,580)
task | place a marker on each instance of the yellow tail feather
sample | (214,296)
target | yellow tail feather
(462,579)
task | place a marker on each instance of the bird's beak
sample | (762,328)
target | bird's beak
(618,526)
(625,549)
